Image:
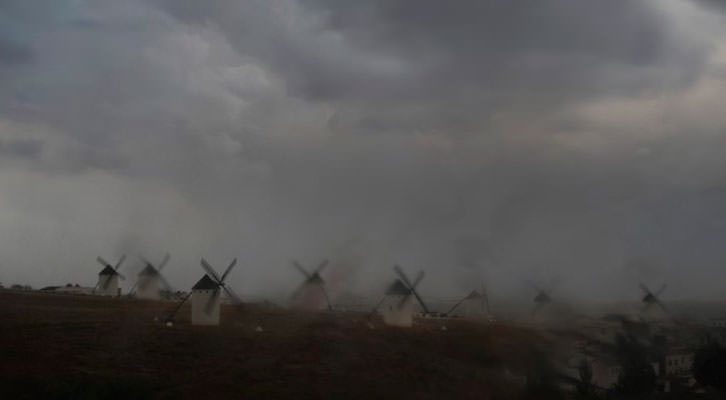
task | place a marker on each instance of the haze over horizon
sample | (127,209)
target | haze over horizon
(571,140)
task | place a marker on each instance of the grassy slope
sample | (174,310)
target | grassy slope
(91,347)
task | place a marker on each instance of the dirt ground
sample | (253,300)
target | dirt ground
(63,346)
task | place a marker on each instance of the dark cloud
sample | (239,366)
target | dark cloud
(711,4)
(14,54)
(21,148)
(392,63)
(563,137)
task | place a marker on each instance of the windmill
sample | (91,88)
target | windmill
(543,297)
(474,305)
(147,281)
(396,307)
(107,284)
(206,294)
(653,307)
(311,293)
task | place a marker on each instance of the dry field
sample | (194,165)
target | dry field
(62,346)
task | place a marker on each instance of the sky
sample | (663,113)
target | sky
(569,141)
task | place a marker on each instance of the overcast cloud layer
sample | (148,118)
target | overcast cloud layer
(583,140)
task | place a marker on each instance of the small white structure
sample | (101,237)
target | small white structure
(397,306)
(311,294)
(205,302)
(107,282)
(148,283)
(472,306)
(108,278)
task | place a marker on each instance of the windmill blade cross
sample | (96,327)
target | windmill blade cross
(402,275)
(418,280)
(120,261)
(102,261)
(411,286)
(301,269)
(164,261)
(420,300)
(212,273)
(229,268)
(662,306)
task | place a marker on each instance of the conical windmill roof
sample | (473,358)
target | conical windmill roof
(149,270)
(649,298)
(206,283)
(108,271)
(542,297)
(315,278)
(397,288)
(474,295)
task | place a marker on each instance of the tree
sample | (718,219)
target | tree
(542,379)
(585,389)
(637,378)
(709,367)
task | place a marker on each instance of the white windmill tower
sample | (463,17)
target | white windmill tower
(311,294)
(147,281)
(107,284)
(474,306)
(396,308)
(206,295)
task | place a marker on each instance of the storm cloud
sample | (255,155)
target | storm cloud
(565,138)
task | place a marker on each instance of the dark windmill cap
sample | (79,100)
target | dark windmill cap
(108,271)
(315,278)
(473,295)
(542,298)
(206,283)
(149,271)
(397,288)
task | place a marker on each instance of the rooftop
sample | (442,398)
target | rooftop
(206,283)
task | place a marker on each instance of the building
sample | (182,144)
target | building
(205,302)
(397,306)
(148,283)
(311,295)
(108,282)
